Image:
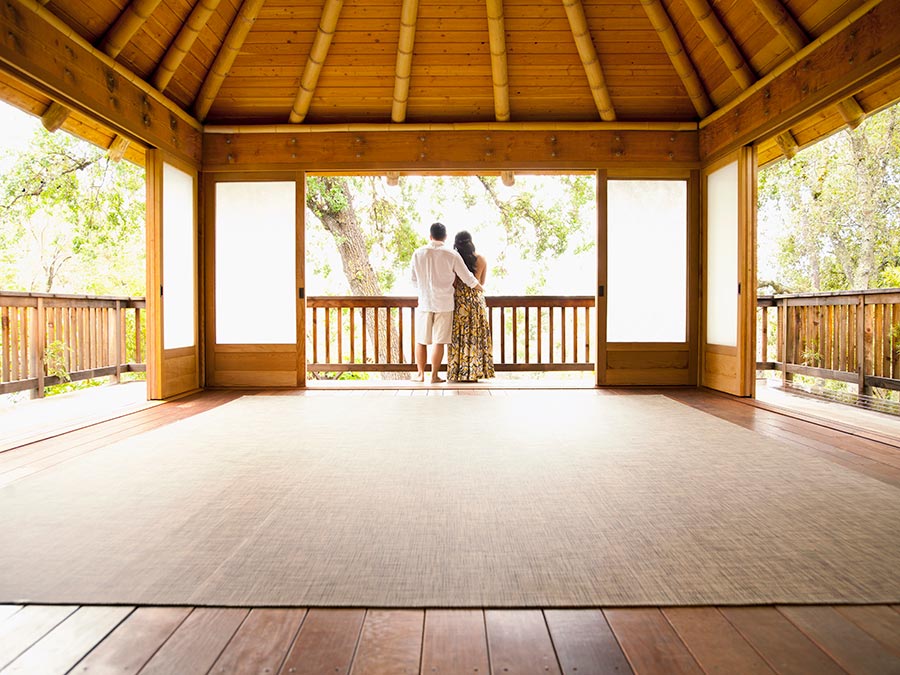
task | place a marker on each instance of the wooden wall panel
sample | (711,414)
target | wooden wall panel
(648,364)
(182,372)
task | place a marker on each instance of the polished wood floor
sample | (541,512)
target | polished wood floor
(38,639)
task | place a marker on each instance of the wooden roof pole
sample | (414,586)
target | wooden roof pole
(499,72)
(722,41)
(117,148)
(588,54)
(661,22)
(183,42)
(228,52)
(781,20)
(787,143)
(128,23)
(54,116)
(317,54)
(408,16)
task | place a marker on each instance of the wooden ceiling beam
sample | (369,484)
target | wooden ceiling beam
(54,116)
(854,53)
(664,27)
(128,23)
(499,71)
(45,53)
(183,42)
(408,17)
(331,11)
(228,52)
(722,41)
(589,59)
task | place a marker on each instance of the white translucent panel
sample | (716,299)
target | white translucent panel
(256,263)
(646,261)
(179,254)
(722,256)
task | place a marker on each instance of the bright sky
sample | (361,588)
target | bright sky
(16,127)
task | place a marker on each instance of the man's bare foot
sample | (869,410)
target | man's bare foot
(437,380)
(417,378)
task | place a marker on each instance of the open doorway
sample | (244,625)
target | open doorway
(537,233)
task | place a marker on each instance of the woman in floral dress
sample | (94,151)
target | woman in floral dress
(470,356)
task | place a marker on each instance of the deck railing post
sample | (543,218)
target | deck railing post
(782,339)
(861,345)
(40,346)
(117,320)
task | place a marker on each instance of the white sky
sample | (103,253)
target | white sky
(16,127)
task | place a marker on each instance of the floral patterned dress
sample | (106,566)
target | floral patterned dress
(470,356)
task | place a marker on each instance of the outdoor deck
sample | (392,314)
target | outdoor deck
(783,639)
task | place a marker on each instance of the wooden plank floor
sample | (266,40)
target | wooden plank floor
(39,639)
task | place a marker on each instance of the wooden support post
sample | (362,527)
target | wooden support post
(40,345)
(54,116)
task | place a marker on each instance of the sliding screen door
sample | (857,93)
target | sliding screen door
(173,355)
(729,279)
(255,311)
(646,282)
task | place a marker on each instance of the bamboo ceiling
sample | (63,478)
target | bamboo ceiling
(315,62)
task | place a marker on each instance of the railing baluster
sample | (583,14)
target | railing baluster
(587,334)
(327,335)
(515,341)
(574,335)
(400,358)
(412,334)
(502,335)
(377,355)
(352,335)
(387,335)
(340,335)
(551,342)
(527,336)
(562,337)
(540,355)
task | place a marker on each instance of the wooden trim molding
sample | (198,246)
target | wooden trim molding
(48,55)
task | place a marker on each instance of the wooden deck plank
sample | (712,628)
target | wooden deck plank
(650,643)
(713,642)
(784,647)
(134,641)
(519,642)
(851,647)
(27,626)
(879,621)
(584,642)
(455,641)
(326,642)
(7,611)
(261,643)
(65,645)
(391,643)
(197,643)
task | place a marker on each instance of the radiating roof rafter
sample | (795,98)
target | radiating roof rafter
(128,23)
(183,42)
(685,69)
(722,41)
(331,11)
(499,71)
(589,59)
(403,67)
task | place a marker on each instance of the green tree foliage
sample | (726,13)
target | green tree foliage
(834,211)
(70,219)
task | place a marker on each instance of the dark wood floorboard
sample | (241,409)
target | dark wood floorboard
(785,640)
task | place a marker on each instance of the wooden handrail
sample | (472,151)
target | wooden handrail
(86,336)
(848,336)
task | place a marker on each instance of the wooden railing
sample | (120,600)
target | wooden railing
(849,336)
(45,338)
(377,334)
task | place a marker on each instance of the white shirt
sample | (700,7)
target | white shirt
(434,268)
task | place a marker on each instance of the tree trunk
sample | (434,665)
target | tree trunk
(329,198)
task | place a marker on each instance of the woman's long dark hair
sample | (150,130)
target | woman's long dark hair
(463,244)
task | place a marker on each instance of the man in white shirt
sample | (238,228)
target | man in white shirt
(434,268)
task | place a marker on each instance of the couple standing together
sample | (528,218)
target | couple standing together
(451,308)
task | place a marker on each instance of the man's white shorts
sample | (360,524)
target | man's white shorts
(433,327)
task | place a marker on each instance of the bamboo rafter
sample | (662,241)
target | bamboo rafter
(54,116)
(589,59)
(662,24)
(128,23)
(779,18)
(722,41)
(787,143)
(226,56)
(317,54)
(499,72)
(408,17)
(116,149)
(783,23)
(183,42)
